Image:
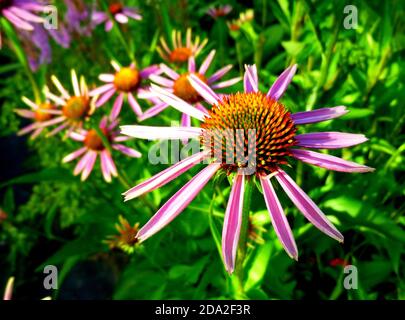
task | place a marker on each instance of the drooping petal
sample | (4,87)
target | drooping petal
(75,83)
(280,85)
(329,162)
(74,155)
(60,87)
(121,18)
(15,20)
(318,115)
(165,176)
(169,71)
(250,79)
(117,106)
(226,83)
(308,208)
(191,64)
(232,223)
(177,203)
(82,163)
(154,133)
(162,81)
(329,140)
(126,150)
(105,97)
(105,170)
(25,113)
(176,102)
(134,104)
(278,219)
(151,112)
(203,89)
(89,165)
(219,74)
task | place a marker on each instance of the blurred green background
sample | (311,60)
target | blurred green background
(53,218)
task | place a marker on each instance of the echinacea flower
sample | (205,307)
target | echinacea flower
(22,13)
(258,123)
(178,85)
(127,81)
(119,12)
(126,239)
(220,11)
(8,292)
(94,147)
(38,113)
(179,52)
(75,109)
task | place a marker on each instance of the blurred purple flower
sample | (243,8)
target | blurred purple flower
(78,17)
(120,13)
(220,11)
(22,13)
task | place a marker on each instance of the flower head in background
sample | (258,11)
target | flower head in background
(8,292)
(244,17)
(258,123)
(177,86)
(94,147)
(180,52)
(75,109)
(22,13)
(77,17)
(126,239)
(127,81)
(38,113)
(119,12)
(220,11)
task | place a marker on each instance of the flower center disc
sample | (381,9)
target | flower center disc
(93,141)
(245,123)
(115,8)
(184,90)
(41,114)
(76,108)
(127,79)
(180,55)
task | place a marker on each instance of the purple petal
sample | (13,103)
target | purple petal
(278,219)
(148,71)
(177,103)
(8,293)
(250,79)
(153,111)
(329,140)
(227,83)
(126,150)
(74,155)
(117,106)
(121,18)
(191,64)
(308,208)
(232,223)
(162,81)
(105,77)
(203,89)
(219,74)
(280,85)
(169,71)
(134,104)
(16,21)
(318,115)
(105,97)
(329,162)
(105,170)
(177,203)
(206,64)
(81,164)
(154,133)
(89,165)
(165,176)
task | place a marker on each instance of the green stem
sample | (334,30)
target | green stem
(21,56)
(242,246)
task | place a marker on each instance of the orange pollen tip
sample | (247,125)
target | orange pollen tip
(180,55)
(115,8)
(184,90)
(76,108)
(244,126)
(41,114)
(127,79)
(93,141)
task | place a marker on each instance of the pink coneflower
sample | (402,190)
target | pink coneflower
(220,11)
(75,109)
(177,85)
(126,81)
(119,12)
(38,113)
(179,52)
(93,147)
(21,13)
(274,137)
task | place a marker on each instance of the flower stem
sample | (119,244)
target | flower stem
(242,247)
